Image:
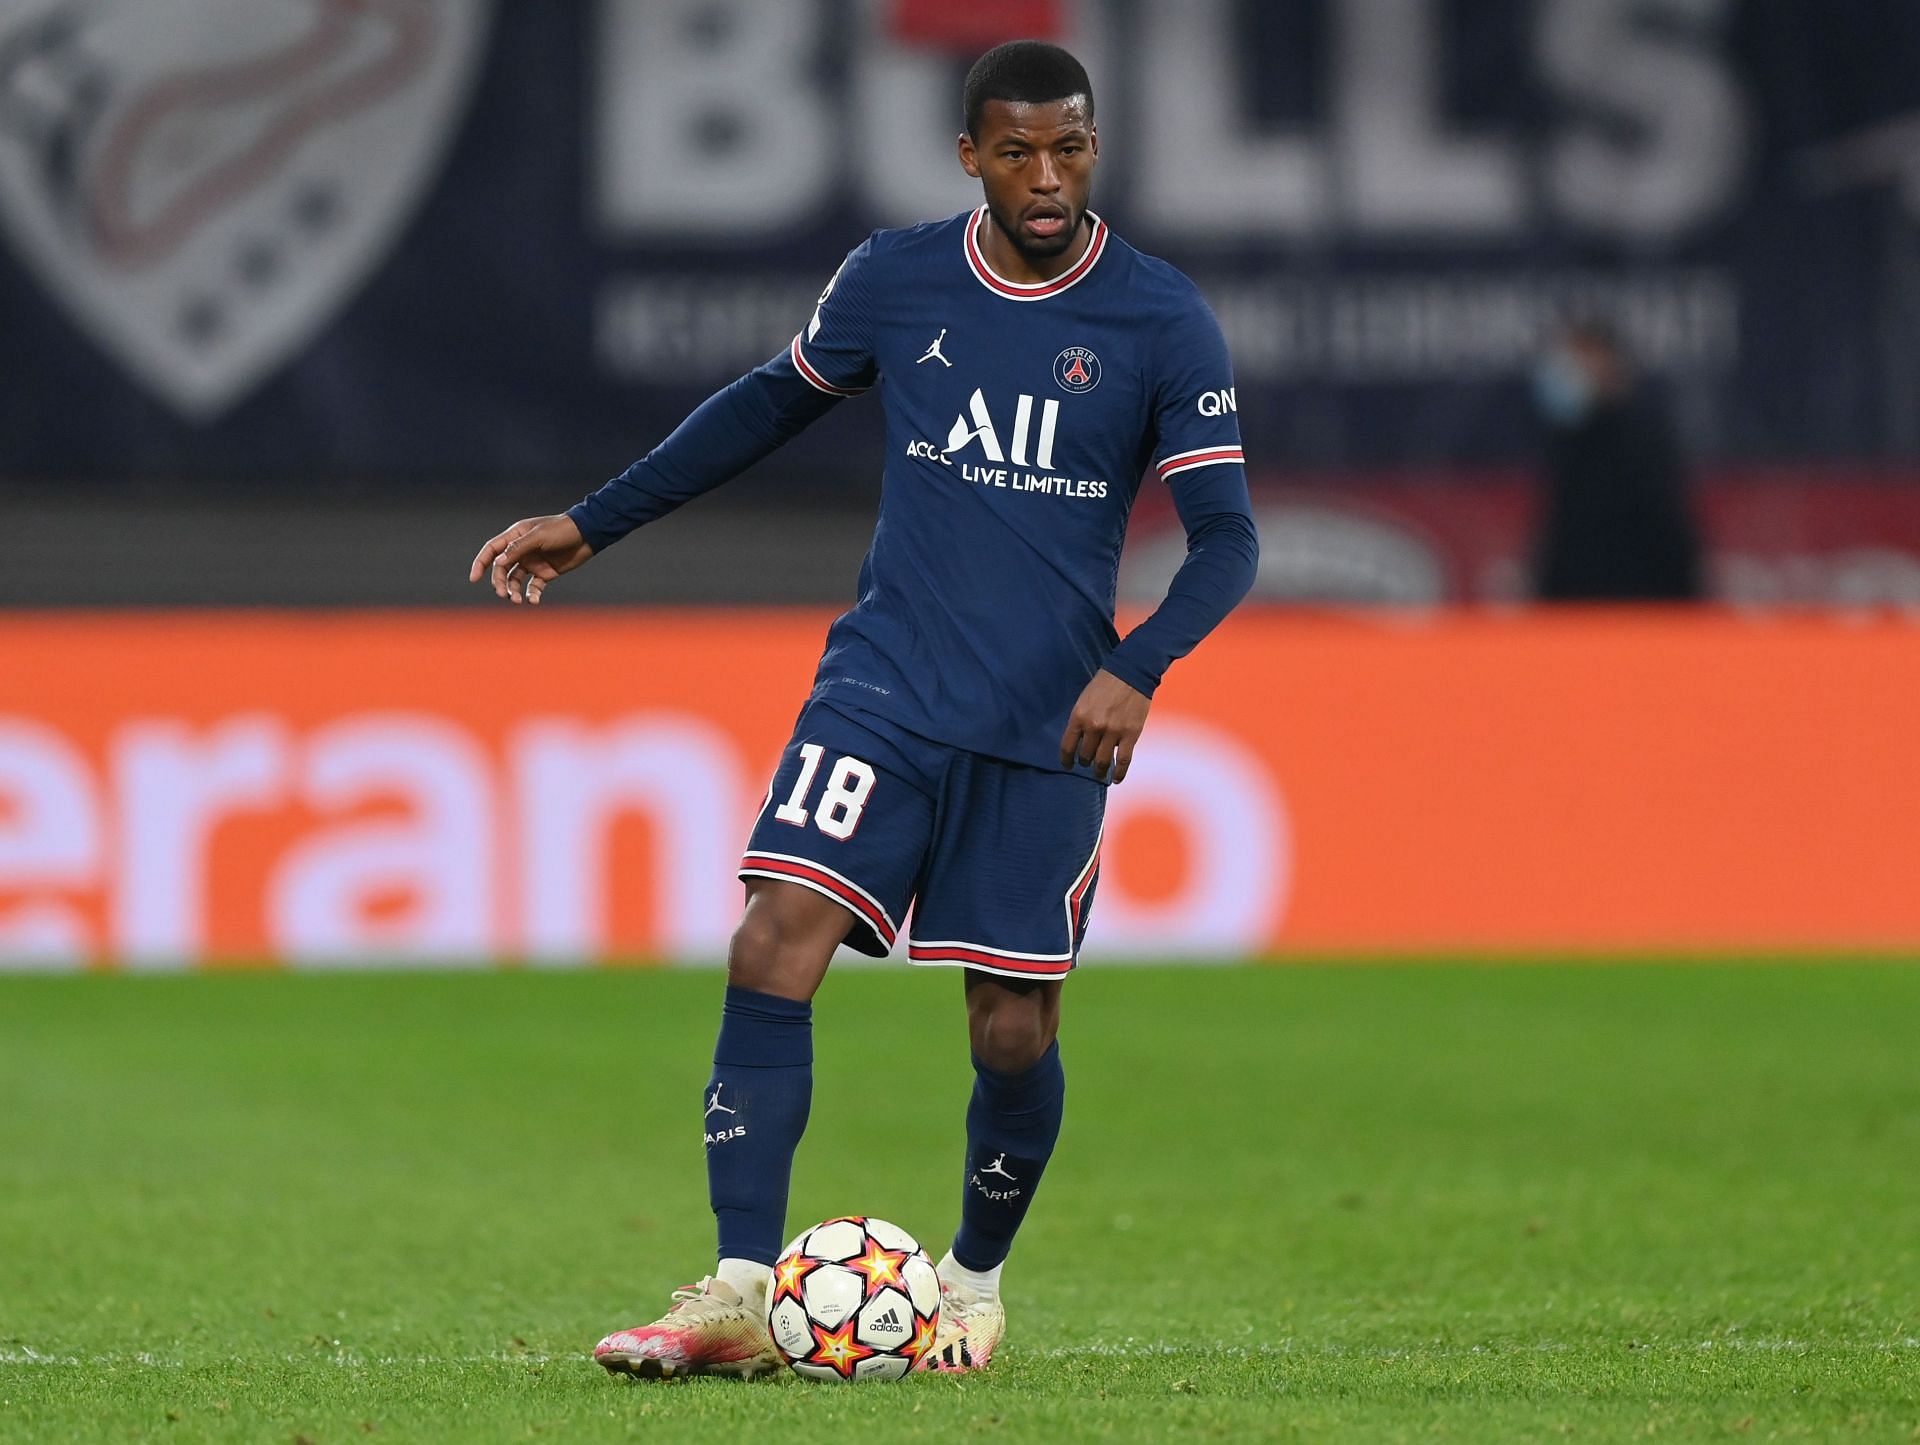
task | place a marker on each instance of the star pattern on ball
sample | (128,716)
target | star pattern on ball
(923,1337)
(789,1274)
(838,1349)
(881,1266)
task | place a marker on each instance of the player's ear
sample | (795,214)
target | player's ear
(1093,141)
(969,157)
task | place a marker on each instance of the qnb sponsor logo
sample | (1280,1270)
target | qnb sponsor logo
(1218,403)
(371,837)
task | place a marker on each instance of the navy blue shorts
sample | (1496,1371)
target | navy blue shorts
(998,861)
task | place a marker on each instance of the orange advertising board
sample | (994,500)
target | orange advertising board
(547,788)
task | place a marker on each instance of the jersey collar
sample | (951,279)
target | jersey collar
(1031,290)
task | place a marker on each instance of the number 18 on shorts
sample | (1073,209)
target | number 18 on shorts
(998,861)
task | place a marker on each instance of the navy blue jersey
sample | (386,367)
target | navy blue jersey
(1020,421)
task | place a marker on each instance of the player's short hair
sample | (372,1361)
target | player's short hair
(1027,72)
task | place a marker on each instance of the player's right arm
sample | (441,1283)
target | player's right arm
(830,359)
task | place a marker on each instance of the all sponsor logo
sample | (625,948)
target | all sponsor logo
(976,425)
(203,184)
(1030,444)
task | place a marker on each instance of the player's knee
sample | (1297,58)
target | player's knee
(778,952)
(1010,1031)
(762,957)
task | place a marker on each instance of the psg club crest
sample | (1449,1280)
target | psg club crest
(203,184)
(1076,369)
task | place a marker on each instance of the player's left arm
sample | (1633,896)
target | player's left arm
(1197,453)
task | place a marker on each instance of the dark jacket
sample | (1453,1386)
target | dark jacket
(1617,524)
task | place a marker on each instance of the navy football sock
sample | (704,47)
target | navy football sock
(1011,1125)
(756,1110)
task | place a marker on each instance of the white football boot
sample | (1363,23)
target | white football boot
(971,1325)
(710,1330)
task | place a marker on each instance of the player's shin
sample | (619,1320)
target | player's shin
(756,1110)
(1011,1127)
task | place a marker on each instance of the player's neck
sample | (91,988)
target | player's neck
(1010,263)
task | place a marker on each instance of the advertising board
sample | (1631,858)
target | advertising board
(547,789)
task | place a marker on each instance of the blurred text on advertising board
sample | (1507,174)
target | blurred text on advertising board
(312,239)
(454,790)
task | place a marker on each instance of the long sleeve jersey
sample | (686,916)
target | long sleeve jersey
(1020,421)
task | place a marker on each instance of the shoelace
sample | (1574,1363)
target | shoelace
(691,1296)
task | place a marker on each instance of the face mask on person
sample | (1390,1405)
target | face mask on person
(1562,390)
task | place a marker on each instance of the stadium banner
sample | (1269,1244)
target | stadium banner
(305,240)
(319,790)
(1773,537)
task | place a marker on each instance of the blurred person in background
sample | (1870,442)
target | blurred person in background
(1617,524)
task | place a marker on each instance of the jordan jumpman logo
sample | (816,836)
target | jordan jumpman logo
(934,353)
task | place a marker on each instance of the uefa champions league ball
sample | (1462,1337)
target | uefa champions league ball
(854,1299)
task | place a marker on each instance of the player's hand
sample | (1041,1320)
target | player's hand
(1105,727)
(527,556)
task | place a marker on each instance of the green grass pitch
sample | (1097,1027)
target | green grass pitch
(1380,1203)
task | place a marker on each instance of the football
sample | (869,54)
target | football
(854,1299)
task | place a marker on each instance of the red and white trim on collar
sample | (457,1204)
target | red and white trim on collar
(814,378)
(1031,290)
(824,881)
(1201,457)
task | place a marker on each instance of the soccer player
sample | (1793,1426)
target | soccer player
(972,707)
